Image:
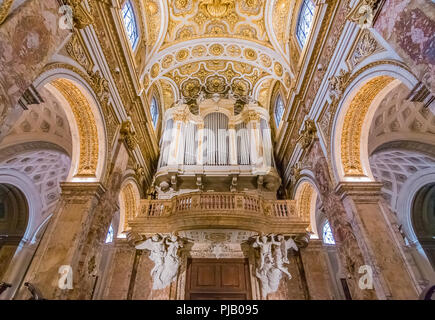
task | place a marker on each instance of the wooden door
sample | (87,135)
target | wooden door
(218,279)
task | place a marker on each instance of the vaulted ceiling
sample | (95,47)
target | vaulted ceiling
(216,45)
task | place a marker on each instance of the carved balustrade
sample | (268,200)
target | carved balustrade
(218,210)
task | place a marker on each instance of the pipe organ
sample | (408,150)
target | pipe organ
(216,149)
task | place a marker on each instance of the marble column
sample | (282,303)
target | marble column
(29,37)
(391,277)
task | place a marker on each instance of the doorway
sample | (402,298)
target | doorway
(218,279)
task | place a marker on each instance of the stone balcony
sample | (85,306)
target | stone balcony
(231,210)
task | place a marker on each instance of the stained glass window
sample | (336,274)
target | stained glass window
(305,21)
(109,237)
(279,110)
(154,109)
(328,238)
(130,23)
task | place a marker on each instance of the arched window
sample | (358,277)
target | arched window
(109,237)
(154,110)
(328,238)
(304,22)
(279,110)
(130,23)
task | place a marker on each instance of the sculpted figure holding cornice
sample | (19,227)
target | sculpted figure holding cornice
(164,254)
(273,255)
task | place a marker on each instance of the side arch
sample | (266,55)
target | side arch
(129,198)
(306,195)
(86,119)
(354,115)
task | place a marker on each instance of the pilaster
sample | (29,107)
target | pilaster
(391,277)
(65,241)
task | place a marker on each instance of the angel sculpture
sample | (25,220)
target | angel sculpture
(285,246)
(157,255)
(280,253)
(164,254)
(173,245)
(201,98)
(273,255)
(265,249)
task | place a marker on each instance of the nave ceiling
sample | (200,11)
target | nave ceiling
(216,45)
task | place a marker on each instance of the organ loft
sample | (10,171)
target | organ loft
(228,149)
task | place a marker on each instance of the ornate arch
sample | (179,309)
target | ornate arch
(128,203)
(86,119)
(31,194)
(354,114)
(306,197)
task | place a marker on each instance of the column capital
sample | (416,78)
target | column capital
(364,192)
(302,240)
(82,190)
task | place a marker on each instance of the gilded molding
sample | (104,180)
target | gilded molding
(78,52)
(129,204)
(364,46)
(5,7)
(304,201)
(308,134)
(353,123)
(129,135)
(81,16)
(86,125)
(100,87)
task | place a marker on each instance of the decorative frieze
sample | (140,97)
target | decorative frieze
(77,51)
(365,46)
